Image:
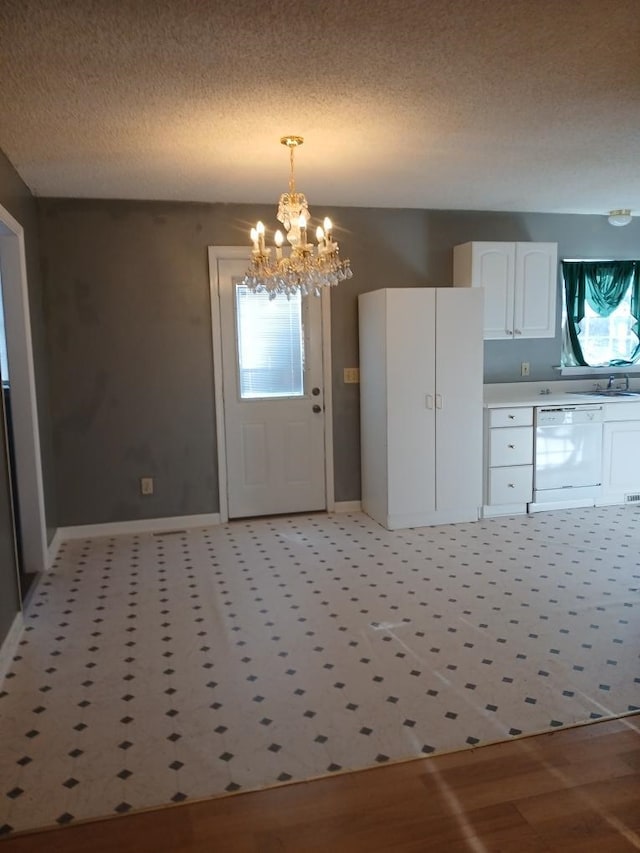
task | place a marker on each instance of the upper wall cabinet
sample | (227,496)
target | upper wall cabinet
(520,286)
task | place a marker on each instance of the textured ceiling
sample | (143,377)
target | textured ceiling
(526,105)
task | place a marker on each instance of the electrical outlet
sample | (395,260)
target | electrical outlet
(351,375)
(146,485)
(524,368)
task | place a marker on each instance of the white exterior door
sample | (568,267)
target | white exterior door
(273,392)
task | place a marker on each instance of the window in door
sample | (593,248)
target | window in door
(270,345)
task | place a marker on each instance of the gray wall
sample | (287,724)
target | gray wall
(16,198)
(130,340)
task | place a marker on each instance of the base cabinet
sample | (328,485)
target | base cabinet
(508,482)
(621,462)
(421,364)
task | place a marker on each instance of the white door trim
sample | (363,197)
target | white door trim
(327,379)
(225,253)
(23,394)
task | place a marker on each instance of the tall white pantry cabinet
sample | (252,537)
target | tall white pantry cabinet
(421,374)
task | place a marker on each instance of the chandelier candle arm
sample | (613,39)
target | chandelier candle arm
(301,270)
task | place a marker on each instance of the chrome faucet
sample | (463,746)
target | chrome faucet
(623,379)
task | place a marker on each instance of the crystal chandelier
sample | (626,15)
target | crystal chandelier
(307,268)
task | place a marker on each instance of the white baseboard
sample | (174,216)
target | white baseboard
(9,647)
(498,510)
(543,506)
(52,549)
(460,515)
(145,525)
(348,506)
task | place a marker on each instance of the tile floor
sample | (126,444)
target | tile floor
(157,668)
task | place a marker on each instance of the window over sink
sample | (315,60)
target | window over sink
(601,313)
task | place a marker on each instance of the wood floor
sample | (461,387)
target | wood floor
(574,790)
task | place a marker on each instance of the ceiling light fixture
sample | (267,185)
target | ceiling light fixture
(307,268)
(619,217)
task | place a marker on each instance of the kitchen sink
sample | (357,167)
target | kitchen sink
(607,392)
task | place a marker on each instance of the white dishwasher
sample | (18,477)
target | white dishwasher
(567,467)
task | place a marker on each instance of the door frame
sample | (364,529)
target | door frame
(234,253)
(24,405)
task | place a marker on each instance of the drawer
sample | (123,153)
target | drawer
(522,416)
(510,485)
(622,411)
(511,446)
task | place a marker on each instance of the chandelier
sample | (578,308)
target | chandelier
(306,268)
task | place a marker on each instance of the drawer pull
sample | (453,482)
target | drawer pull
(512,417)
(512,485)
(512,447)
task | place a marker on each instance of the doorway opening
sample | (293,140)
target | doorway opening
(19,397)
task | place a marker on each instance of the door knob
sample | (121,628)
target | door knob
(315,391)
(317,408)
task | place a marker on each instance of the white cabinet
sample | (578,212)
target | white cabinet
(520,285)
(621,454)
(421,369)
(508,483)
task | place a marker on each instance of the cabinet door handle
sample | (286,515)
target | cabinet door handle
(512,485)
(438,401)
(518,332)
(508,331)
(512,447)
(428,401)
(512,417)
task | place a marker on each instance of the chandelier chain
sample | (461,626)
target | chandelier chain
(292,177)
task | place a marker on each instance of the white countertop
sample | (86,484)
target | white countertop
(504,394)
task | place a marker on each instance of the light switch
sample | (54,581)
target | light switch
(146,485)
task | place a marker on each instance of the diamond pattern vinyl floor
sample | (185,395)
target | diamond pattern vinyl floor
(159,668)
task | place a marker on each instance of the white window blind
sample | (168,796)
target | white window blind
(270,345)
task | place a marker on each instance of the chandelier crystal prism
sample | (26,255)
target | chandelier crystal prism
(307,267)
